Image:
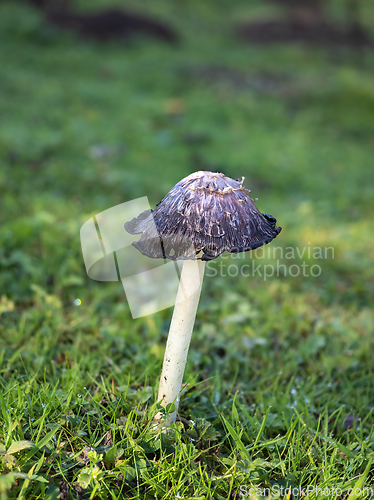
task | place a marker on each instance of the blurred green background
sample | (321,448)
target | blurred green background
(86,125)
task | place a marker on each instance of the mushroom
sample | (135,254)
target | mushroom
(204,215)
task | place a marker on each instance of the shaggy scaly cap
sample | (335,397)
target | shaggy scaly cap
(206,212)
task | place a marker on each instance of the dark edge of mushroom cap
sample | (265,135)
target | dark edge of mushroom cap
(206,212)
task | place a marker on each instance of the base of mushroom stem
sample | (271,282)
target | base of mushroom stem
(161,421)
(166,419)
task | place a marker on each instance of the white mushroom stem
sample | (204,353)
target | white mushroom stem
(180,335)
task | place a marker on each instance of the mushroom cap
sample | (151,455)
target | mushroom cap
(206,212)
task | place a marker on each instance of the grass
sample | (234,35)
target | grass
(280,374)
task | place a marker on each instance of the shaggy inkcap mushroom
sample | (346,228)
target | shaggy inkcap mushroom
(210,210)
(204,215)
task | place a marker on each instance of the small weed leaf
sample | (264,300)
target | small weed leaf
(130,473)
(7,480)
(112,455)
(9,462)
(84,479)
(18,446)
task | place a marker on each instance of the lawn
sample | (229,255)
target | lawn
(279,381)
